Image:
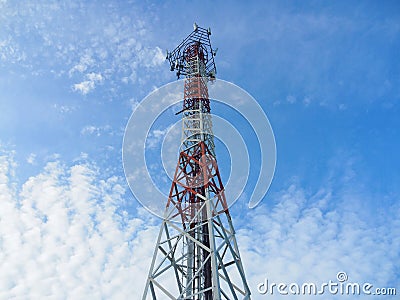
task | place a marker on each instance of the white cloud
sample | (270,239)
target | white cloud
(88,85)
(84,87)
(95,77)
(133,103)
(291,99)
(62,237)
(311,238)
(85,61)
(158,57)
(96,130)
(307,101)
(63,109)
(31,158)
(156,136)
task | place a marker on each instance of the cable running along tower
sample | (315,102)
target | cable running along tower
(196,255)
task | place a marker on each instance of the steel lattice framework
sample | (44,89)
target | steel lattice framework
(196,255)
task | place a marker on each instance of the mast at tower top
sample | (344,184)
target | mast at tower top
(196,44)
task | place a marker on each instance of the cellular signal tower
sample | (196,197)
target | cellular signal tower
(196,256)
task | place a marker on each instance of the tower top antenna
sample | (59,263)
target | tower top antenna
(200,38)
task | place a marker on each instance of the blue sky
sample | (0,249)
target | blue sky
(326,73)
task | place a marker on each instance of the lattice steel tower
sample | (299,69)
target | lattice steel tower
(196,255)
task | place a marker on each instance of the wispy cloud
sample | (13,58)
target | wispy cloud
(96,130)
(85,87)
(156,136)
(101,39)
(31,159)
(84,62)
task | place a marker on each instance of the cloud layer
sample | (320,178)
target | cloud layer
(63,234)
(310,238)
